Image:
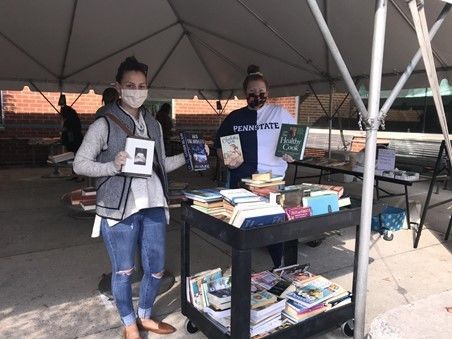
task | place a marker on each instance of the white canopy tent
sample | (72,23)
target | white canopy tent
(204,46)
(201,45)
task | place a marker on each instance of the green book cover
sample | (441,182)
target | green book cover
(292,141)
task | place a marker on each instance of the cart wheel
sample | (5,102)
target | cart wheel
(348,327)
(388,236)
(314,243)
(191,328)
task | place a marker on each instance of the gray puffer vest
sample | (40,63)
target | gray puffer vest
(113,191)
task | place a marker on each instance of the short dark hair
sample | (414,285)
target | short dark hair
(110,95)
(131,64)
(254,74)
(166,107)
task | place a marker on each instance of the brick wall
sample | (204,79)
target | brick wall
(311,111)
(28,115)
(198,115)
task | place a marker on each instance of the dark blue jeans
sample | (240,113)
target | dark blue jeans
(146,229)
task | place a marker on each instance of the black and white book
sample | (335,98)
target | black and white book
(140,157)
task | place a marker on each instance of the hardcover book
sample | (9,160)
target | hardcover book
(263,215)
(239,195)
(299,212)
(141,155)
(232,149)
(194,151)
(322,204)
(292,141)
(204,194)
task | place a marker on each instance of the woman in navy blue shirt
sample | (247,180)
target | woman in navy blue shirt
(258,125)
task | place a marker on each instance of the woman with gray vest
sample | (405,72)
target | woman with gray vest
(130,211)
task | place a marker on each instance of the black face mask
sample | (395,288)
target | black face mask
(256,100)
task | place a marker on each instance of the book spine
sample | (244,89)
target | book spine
(183,141)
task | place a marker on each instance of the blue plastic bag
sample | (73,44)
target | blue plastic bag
(391,219)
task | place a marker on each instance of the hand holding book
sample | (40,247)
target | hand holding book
(234,162)
(288,158)
(120,160)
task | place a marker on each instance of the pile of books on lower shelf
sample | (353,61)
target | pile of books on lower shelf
(245,209)
(176,193)
(279,299)
(85,198)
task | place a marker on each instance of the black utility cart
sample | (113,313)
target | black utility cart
(242,243)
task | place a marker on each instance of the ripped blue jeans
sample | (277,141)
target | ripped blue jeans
(147,230)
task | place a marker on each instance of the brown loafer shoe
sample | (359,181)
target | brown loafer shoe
(131,332)
(155,326)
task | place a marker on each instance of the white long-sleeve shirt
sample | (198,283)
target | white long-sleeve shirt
(144,192)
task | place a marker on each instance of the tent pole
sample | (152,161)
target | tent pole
(283,39)
(330,118)
(411,66)
(40,92)
(28,55)
(247,47)
(317,98)
(204,97)
(237,67)
(336,54)
(80,94)
(420,22)
(227,101)
(369,168)
(168,55)
(408,21)
(122,49)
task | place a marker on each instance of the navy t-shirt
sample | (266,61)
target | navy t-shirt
(259,132)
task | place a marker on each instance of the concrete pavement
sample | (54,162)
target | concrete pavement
(50,267)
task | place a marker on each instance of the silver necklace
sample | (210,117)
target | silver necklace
(139,124)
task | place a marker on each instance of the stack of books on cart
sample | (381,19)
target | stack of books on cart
(278,299)
(239,207)
(209,201)
(264,183)
(246,209)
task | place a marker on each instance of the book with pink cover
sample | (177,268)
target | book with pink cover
(299,212)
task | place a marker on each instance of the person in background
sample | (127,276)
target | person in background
(258,125)
(71,136)
(130,211)
(163,116)
(109,95)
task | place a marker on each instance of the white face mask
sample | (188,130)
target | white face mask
(134,97)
